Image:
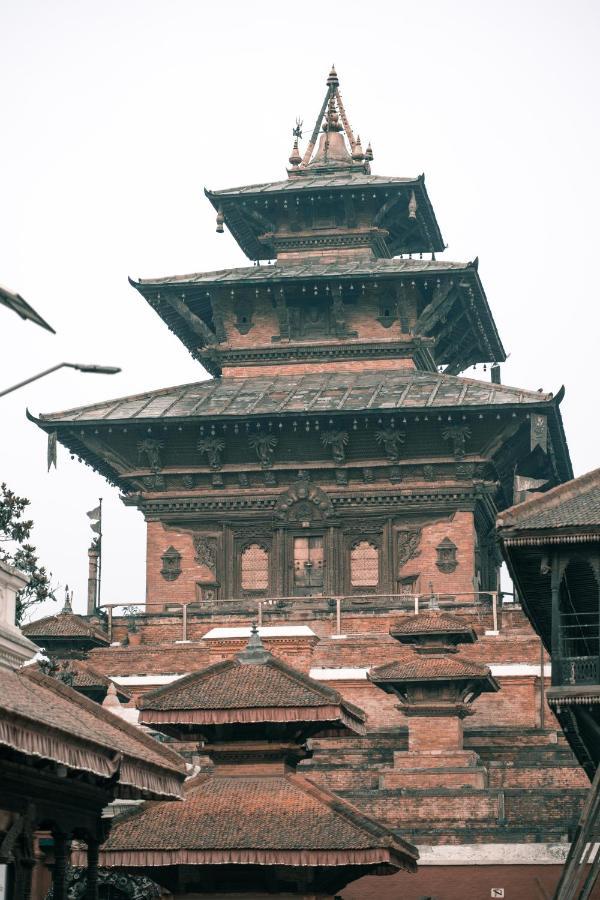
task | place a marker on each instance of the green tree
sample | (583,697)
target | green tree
(16,550)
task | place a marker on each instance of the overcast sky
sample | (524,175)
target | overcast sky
(116,114)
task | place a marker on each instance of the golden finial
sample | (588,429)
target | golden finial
(357,151)
(295,158)
(332,79)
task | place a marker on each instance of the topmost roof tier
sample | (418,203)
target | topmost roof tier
(330,196)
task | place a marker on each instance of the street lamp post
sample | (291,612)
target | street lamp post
(98,370)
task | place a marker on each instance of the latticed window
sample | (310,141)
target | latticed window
(364,565)
(255,568)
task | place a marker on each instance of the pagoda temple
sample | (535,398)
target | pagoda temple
(337,472)
(252,826)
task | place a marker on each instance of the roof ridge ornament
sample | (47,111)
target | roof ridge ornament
(68,605)
(255,652)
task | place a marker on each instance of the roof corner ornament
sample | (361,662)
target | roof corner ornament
(220,221)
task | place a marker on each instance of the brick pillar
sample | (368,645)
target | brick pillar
(435,733)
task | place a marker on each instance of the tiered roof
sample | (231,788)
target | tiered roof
(281,819)
(253,809)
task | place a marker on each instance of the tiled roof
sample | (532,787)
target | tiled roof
(259,819)
(315,393)
(41,716)
(309,269)
(345,179)
(67,625)
(241,692)
(571,505)
(422,668)
(431,623)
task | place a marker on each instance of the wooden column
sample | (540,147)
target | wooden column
(59,874)
(555,592)
(93,848)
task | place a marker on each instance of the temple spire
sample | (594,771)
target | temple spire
(68,605)
(332,153)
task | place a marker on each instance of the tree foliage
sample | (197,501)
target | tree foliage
(15,549)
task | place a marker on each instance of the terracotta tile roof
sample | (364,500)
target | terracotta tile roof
(85,676)
(316,393)
(263,819)
(431,623)
(41,716)
(64,625)
(232,691)
(425,668)
(575,504)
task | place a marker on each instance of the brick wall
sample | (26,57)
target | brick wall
(435,733)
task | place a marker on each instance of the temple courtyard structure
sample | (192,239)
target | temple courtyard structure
(337,481)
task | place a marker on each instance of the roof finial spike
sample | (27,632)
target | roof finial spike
(357,151)
(332,78)
(369,153)
(254,653)
(68,607)
(295,158)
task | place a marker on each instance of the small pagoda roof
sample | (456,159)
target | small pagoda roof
(40,716)
(254,686)
(85,677)
(433,668)
(65,625)
(324,392)
(267,820)
(572,507)
(430,623)
(314,182)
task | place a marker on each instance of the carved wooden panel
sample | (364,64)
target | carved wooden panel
(255,568)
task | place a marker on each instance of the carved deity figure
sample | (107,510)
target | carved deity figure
(458,435)
(408,545)
(391,440)
(264,445)
(150,449)
(212,447)
(338,441)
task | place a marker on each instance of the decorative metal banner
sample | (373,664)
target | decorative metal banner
(539,431)
(51,449)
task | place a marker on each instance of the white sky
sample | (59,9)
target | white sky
(116,114)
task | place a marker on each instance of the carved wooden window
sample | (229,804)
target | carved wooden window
(255,568)
(364,565)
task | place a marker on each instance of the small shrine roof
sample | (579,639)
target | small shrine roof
(575,504)
(430,668)
(67,625)
(314,182)
(325,392)
(309,270)
(40,716)
(254,686)
(433,623)
(279,819)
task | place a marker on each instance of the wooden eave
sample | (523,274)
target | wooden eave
(246,232)
(471,302)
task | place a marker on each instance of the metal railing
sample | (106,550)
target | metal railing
(257,609)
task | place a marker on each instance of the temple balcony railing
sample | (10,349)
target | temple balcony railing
(578,657)
(341,610)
